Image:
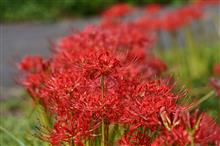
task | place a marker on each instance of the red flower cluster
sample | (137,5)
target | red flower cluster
(214,81)
(171,20)
(117,10)
(185,129)
(106,75)
(68,85)
(216,69)
(152,8)
(158,18)
(207,2)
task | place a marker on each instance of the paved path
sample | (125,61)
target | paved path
(18,40)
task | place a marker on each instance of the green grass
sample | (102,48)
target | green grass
(19,120)
(191,68)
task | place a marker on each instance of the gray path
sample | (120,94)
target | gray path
(18,40)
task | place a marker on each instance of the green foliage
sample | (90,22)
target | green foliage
(23,10)
(18,123)
(191,68)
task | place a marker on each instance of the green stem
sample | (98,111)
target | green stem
(114,133)
(191,134)
(87,143)
(201,100)
(103,121)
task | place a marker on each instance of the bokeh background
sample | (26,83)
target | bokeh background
(31,26)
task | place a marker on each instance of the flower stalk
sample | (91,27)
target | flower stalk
(103,120)
(201,100)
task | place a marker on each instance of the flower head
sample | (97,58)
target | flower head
(195,128)
(117,10)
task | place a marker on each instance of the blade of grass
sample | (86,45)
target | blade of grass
(12,136)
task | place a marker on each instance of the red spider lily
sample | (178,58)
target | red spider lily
(153,8)
(126,40)
(142,108)
(36,71)
(172,20)
(73,95)
(105,74)
(180,17)
(117,10)
(99,64)
(206,2)
(188,129)
(133,138)
(149,23)
(115,36)
(190,12)
(215,83)
(216,69)
(73,128)
(157,66)
(33,64)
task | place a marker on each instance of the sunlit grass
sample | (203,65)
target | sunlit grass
(191,68)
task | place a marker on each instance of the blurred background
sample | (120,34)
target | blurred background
(44,10)
(29,27)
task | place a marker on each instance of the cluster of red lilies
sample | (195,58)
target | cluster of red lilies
(104,86)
